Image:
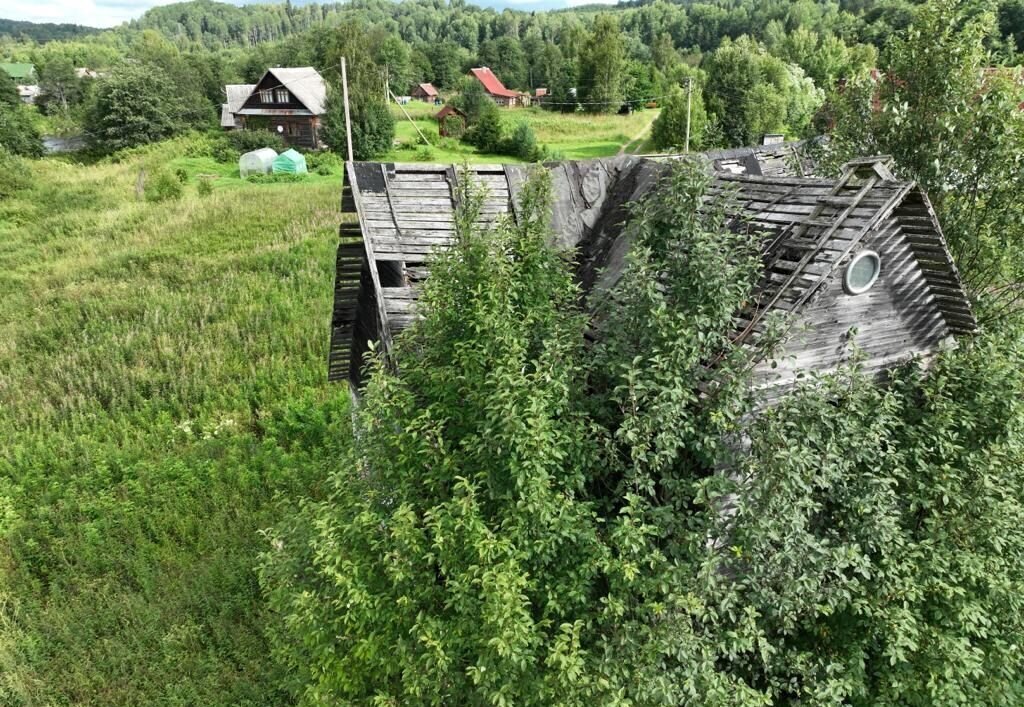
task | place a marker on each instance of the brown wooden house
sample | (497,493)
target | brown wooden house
(863,253)
(286,101)
(424,92)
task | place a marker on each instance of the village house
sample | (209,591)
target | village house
(857,266)
(496,90)
(24,76)
(424,92)
(287,101)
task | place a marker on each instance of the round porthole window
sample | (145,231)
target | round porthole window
(862,272)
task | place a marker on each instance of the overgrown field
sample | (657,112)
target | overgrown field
(570,135)
(161,381)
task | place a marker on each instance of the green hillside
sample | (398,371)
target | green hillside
(161,381)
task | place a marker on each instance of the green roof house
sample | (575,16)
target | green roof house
(21,73)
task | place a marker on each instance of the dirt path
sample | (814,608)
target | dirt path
(637,141)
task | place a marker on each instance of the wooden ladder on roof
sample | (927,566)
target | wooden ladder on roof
(782,271)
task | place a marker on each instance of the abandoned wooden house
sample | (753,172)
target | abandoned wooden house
(863,253)
(287,101)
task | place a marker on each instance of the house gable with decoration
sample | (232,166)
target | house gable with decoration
(288,101)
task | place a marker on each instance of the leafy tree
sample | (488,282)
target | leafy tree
(663,52)
(602,67)
(486,133)
(669,129)
(953,126)
(373,126)
(8,91)
(446,61)
(506,58)
(132,107)
(751,92)
(472,100)
(394,56)
(476,540)
(60,87)
(522,143)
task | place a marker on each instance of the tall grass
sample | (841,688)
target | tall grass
(573,135)
(161,381)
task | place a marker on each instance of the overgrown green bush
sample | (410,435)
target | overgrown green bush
(18,134)
(323,162)
(204,186)
(524,519)
(278,178)
(162,185)
(248,140)
(15,174)
(522,143)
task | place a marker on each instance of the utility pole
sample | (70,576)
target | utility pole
(348,118)
(689,95)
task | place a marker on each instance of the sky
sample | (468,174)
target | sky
(108,13)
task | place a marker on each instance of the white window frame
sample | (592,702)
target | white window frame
(281,95)
(266,96)
(857,290)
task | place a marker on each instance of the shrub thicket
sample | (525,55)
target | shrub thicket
(163,185)
(249,140)
(523,519)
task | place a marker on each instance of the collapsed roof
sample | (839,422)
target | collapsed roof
(813,227)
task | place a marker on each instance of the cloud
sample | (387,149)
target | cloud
(92,13)
(577,3)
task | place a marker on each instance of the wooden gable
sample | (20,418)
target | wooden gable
(271,83)
(812,228)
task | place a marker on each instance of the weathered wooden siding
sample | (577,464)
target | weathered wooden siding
(891,322)
(810,228)
(406,215)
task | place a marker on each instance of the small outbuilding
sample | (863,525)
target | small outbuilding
(424,92)
(256,162)
(451,122)
(290,162)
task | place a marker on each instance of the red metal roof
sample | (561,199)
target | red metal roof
(428,89)
(491,83)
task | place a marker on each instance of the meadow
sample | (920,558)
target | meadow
(162,395)
(566,135)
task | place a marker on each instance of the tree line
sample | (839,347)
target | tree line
(753,67)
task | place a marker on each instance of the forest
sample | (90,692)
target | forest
(753,67)
(528,509)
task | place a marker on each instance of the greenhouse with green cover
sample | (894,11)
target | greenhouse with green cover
(290,162)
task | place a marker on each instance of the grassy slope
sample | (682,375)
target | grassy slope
(161,379)
(574,135)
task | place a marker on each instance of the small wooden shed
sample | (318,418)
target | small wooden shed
(424,92)
(451,122)
(861,253)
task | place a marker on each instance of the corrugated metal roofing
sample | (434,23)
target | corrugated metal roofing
(492,84)
(18,71)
